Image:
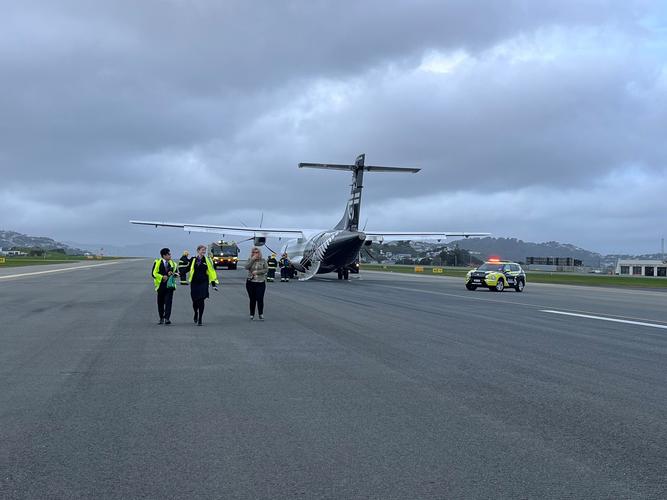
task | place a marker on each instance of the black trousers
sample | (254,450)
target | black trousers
(285,273)
(164,297)
(183,273)
(198,308)
(256,294)
(271,273)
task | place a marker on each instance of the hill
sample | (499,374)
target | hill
(12,239)
(517,250)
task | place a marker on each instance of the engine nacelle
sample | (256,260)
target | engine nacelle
(259,241)
(377,238)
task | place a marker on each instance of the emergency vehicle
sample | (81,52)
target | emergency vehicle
(496,275)
(224,254)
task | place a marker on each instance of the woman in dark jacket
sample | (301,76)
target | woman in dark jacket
(255,283)
(202,273)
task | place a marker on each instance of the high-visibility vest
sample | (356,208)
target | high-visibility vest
(157,277)
(210,270)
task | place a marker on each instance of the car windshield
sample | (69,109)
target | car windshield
(224,251)
(491,266)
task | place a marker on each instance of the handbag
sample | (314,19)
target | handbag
(171,281)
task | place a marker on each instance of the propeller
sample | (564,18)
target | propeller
(368,252)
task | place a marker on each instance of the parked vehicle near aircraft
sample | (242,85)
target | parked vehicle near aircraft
(314,252)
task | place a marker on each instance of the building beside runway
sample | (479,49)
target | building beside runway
(643,267)
(554,264)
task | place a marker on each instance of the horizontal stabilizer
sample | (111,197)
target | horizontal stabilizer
(368,168)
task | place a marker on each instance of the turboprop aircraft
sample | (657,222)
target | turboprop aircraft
(314,252)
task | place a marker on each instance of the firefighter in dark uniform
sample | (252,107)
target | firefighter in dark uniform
(273,265)
(284,264)
(183,266)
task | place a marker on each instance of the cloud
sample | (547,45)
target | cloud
(200,111)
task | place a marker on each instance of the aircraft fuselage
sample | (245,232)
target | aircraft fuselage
(334,249)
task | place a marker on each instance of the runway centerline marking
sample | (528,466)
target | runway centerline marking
(63,269)
(603,318)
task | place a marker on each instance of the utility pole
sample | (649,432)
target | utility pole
(662,248)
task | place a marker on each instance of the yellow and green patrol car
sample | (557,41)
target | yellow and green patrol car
(496,275)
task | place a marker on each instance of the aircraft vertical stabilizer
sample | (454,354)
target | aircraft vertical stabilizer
(350,219)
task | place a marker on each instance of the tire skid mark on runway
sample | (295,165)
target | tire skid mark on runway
(499,301)
(603,318)
(60,270)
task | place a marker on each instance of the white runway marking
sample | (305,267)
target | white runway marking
(56,270)
(602,318)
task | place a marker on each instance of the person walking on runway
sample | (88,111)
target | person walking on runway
(202,273)
(183,266)
(164,276)
(255,283)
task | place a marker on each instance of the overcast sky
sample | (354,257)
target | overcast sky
(541,120)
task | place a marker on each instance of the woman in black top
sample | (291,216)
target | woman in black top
(202,273)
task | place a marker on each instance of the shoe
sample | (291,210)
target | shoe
(252,318)
(161,322)
(167,322)
(198,323)
(261,317)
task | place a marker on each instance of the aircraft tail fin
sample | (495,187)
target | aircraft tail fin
(350,220)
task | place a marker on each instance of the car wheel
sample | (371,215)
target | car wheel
(500,286)
(519,285)
(471,287)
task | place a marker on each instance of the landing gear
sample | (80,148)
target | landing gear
(343,274)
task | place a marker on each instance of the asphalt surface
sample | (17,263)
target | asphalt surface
(386,386)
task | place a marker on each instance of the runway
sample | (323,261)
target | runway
(386,386)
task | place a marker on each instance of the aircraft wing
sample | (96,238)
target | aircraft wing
(379,237)
(242,231)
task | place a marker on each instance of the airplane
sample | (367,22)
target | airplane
(313,252)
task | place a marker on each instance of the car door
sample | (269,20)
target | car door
(509,276)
